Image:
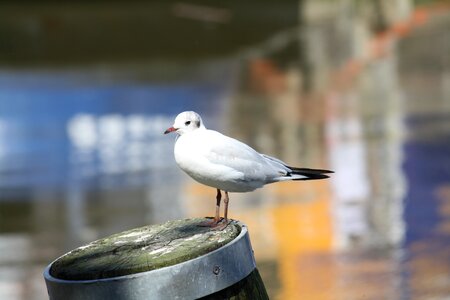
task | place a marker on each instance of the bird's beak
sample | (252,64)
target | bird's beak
(170,129)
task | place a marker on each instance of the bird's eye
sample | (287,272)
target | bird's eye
(187,123)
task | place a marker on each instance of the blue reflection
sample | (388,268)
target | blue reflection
(427,167)
(57,127)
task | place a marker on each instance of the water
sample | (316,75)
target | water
(82,155)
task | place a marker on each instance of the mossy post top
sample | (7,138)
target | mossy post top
(142,249)
(177,259)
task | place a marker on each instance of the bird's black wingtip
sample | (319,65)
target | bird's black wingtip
(308,170)
(311,174)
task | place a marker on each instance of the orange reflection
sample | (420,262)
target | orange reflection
(302,229)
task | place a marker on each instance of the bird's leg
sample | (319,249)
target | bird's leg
(225,213)
(216,220)
(218,198)
(221,225)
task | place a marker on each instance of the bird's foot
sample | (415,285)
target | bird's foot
(210,223)
(215,224)
(221,225)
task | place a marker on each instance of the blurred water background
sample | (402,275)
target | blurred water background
(360,87)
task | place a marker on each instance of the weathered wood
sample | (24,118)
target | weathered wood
(142,249)
(178,255)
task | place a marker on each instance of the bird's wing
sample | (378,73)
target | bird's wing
(229,152)
(278,162)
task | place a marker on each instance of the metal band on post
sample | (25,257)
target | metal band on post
(191,279)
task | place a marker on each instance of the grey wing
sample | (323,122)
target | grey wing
(276,162)
(242,158)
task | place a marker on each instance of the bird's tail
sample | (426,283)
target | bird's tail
(308,174)
(293,173)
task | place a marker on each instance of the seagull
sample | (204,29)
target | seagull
(227,164)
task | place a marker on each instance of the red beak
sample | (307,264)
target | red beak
(169,130)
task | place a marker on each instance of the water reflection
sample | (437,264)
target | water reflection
(367,139)
(82,155)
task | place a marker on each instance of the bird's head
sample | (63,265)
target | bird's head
(186,121)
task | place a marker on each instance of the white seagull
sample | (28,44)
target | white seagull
(227,164)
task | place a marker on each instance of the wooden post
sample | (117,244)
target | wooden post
(174,260)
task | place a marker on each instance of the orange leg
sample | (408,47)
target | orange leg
(226,200)
(214,222)
(218,198)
